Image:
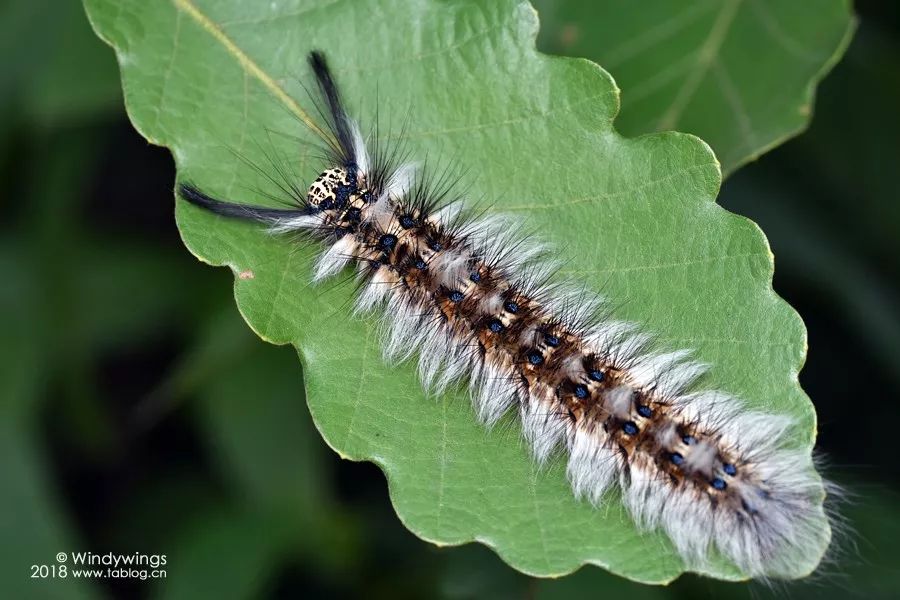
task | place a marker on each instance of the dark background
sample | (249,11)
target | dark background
(138,413)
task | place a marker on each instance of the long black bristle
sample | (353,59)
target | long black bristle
(239,211)
(340,121)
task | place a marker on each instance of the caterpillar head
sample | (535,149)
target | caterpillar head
(335,188)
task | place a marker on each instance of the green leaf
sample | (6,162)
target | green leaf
(740,74)
(268,448)
(53,71)
(221,554)
(63,90)
(264,445)
(31,511)
(635,217)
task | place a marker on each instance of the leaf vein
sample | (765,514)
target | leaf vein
(609,195)
(168,72)
(707,53)
(247,64)
(503,123)
(685,263)
(654,36)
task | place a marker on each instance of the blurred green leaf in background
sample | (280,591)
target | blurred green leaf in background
(137,413)
(741,74)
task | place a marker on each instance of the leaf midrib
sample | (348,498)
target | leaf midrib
(247,64)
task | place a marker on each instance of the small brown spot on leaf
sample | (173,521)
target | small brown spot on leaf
(248,274)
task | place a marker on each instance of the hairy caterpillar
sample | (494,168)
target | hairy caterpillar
(478,302)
